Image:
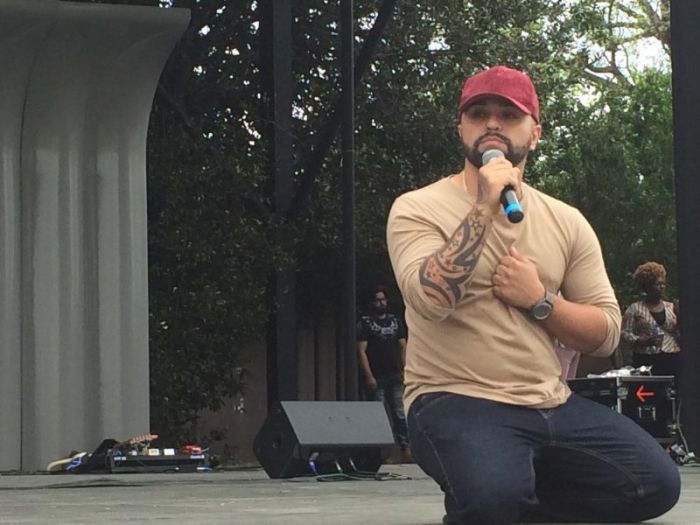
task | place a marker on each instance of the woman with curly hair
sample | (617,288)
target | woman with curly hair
(650,326)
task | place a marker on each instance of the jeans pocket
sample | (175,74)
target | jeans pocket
(426,401)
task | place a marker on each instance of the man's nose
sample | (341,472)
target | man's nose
(493,122)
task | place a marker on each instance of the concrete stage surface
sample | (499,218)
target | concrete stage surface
(247,497)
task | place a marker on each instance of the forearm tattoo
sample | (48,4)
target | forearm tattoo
(446,274)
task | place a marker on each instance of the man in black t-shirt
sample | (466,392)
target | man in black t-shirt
(381,351)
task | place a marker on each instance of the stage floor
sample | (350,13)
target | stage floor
(247,497)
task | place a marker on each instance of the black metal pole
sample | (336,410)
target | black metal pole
(348,147)
(283,382)
(685,15)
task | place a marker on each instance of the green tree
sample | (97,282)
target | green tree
(617,36)
(614,162)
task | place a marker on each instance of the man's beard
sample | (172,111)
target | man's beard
(379,310)
(515,155)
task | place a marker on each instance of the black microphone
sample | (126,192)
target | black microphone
(509,200)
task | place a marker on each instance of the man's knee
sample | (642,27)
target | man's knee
(489,503)
(664,495)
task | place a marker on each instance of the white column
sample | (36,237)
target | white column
(80,236)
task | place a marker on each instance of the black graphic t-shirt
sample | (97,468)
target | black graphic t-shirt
(382,336)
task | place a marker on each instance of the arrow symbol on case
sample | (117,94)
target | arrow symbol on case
(642,394)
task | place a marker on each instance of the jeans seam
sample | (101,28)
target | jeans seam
(448,485)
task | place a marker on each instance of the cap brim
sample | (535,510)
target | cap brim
(475,98)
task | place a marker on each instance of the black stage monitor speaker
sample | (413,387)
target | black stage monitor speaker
(302,438)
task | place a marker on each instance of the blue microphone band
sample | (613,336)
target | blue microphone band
(513,206)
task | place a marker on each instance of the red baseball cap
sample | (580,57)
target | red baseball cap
(502,81)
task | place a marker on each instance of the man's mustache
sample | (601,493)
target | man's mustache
(492,135)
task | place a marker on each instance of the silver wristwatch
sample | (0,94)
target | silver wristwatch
(542,309)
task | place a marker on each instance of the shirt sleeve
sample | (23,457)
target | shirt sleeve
(628,335)
(361,331)
(411,238)
(586,282)
(403,331)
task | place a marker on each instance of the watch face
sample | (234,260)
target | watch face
(541,310)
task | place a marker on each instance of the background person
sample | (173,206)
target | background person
(650,326)
(381,353)
(489,417)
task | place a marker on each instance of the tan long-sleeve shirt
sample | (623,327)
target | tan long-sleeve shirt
(484,347)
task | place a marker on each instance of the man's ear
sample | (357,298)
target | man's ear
(535,138)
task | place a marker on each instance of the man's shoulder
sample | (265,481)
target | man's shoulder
(390,318)
(430,204)
(567,216)
(426,194)
(368,318)
(552,202)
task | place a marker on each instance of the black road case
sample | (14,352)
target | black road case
(650,401)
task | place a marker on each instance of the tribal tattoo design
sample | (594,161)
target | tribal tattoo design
(446,274)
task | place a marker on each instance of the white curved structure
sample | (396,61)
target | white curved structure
(77,83)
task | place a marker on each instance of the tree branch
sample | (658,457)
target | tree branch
(312,167)
(197,134)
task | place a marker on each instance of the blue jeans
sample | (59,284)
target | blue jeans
(579,462)
(390,392)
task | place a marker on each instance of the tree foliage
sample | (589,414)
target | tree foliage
(614,162)
(618,32)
